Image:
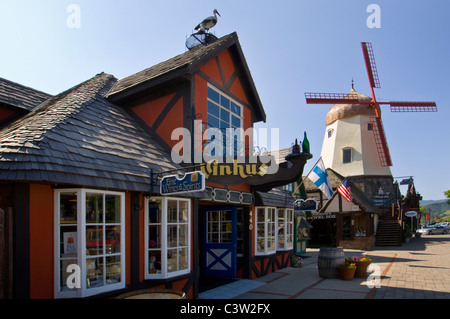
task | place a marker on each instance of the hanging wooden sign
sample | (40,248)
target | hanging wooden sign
(190,182)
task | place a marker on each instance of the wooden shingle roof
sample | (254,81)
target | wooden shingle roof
(185,64)
(20,96)
(80,138)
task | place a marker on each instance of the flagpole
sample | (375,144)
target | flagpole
(303,179)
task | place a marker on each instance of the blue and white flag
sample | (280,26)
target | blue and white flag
(319,177)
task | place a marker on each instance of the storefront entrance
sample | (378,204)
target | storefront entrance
(323,232)
(220,242)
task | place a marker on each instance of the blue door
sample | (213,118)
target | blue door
(219,248)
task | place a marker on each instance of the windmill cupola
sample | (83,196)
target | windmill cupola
(342,111)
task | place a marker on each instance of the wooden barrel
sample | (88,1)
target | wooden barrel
(328,260)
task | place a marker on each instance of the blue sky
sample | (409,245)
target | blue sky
(291,47)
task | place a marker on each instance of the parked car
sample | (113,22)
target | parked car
(446,225)
(430,230)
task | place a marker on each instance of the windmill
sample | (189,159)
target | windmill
(352,98)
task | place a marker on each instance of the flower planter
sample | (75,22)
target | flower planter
(361,268)
(346,273)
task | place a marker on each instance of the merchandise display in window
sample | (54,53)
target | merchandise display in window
(90,226)
(265,230)
(168,237)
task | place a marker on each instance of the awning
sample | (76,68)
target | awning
(276,197)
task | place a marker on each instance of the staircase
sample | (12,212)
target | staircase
(389,233)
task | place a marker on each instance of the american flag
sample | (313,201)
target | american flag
(345,190)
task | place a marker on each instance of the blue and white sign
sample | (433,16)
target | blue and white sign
(411,213)
(189,183)
(301,205)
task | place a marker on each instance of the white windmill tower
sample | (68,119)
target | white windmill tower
(355,143)
(349,145)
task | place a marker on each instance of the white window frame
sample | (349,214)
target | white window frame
(164,241)
(81,256)
(287,222)
(240,139)
(269,232)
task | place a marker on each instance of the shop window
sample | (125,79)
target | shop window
(240,232)
(265,230)
(346,228)
(167,237)
(224,114)
(285,229)
(90,248)
(360,225)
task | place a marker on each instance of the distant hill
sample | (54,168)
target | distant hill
(428,202)
(439,208)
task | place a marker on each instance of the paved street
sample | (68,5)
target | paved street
(419,269)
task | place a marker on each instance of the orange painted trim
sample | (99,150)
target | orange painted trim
(41,242)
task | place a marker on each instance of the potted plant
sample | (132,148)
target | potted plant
(346,271)
(407,234)
(361,265)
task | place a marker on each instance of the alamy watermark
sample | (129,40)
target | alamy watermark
(74,279)
(374,19)
(73,21)
(226,145)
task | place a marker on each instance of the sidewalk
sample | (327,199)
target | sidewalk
(419,269)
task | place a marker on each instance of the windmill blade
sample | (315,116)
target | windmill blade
(380,142)
(333,98)
(371,66)
(412,106)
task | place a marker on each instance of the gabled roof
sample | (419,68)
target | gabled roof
(359,197)
(186,64)
(20,96)
(80,138)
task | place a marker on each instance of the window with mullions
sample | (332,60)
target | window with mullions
(265,230)
(167,234)
(285,228)
(224,113)
(89,250)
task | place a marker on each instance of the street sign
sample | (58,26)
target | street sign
(411,213)
(301,205)
(190,182)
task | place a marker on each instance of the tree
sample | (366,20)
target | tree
(447,193)
(423,211)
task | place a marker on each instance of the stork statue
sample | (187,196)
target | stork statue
(209,22)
